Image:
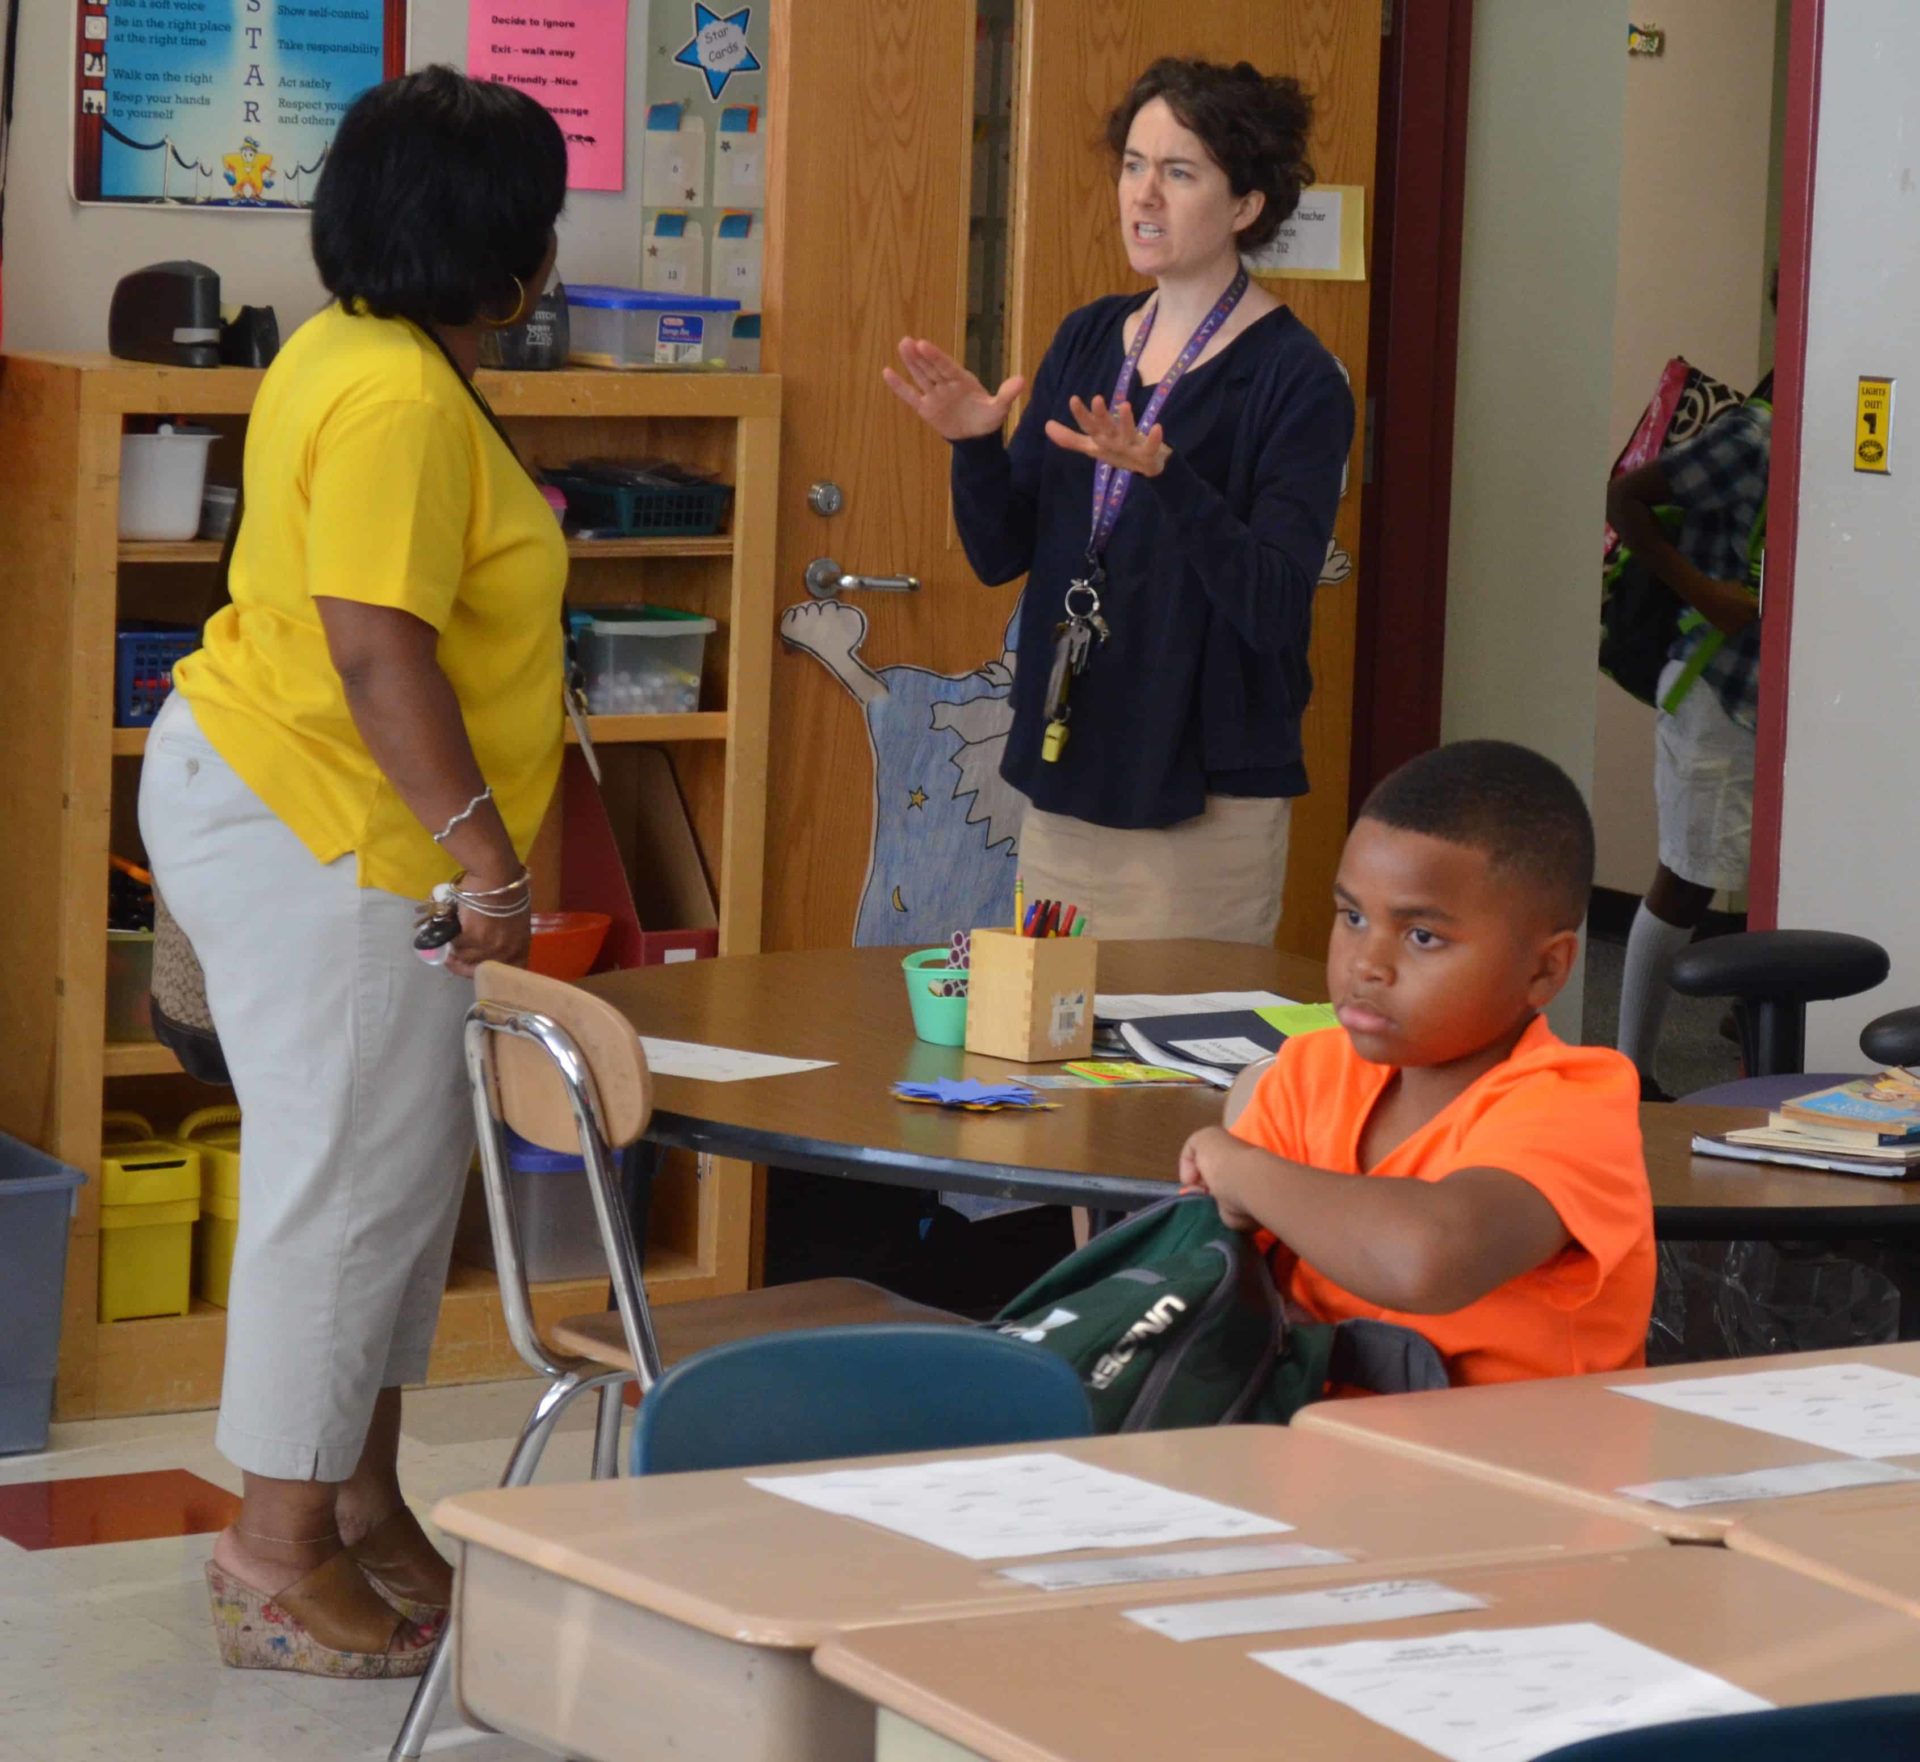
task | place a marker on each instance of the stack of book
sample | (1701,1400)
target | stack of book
(1870,1126)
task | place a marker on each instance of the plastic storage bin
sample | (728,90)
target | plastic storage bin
(623,327)
(129,985)
(637,509)
(149,1201)
(559,1234)
(162,479)
(215,1133)
(642,661)
(36,1205)
(143,663)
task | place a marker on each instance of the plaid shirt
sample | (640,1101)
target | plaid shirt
(1718,481)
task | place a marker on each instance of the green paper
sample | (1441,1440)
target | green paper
(1295,1019)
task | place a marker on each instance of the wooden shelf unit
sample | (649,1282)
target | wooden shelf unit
(66,578)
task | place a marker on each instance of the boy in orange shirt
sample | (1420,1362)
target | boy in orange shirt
(1444,1161)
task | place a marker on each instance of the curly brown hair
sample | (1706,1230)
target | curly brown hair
(1254,127)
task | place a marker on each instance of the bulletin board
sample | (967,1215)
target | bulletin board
(221,104)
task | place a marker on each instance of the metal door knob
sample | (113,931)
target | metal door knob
(825,581)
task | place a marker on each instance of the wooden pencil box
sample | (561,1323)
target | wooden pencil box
(1030,998)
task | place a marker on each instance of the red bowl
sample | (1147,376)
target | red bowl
(566,944)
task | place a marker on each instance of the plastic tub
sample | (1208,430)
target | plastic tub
(940,1021)
(559,1234)
(163,478)
(215,1133)
(566,944)
(149,1202)
(129,985)
(36,1205)
(625,328)
(642,661)
(217,504)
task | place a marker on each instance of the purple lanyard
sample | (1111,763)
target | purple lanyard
(1110,486)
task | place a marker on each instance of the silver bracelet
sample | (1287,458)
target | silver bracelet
(464,815)
(525,881)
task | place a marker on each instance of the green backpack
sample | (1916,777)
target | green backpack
(1172,1319)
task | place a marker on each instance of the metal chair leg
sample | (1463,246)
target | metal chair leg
(606,1432)
(431,1689)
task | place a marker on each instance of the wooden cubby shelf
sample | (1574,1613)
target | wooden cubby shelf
(67,579)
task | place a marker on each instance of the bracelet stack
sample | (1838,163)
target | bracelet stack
(509,901)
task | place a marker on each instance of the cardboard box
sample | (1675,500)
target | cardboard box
(1030,998)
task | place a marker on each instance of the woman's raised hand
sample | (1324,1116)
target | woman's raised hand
(945,396)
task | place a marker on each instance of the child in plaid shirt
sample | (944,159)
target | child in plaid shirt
(1708,694)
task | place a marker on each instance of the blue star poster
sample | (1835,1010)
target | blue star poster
(718,47)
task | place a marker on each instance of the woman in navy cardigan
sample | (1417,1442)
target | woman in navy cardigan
(1160,774)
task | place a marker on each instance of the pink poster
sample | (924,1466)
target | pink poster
(572,56)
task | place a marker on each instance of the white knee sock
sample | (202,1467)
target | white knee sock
(1651,947)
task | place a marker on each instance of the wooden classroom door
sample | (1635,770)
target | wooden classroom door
(937,172)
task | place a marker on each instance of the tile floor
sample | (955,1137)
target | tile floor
(106,1653)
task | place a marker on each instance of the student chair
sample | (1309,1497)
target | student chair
(1772,975)
(828,1392)
(565,1071)
(1892,1039)
(1885,1728)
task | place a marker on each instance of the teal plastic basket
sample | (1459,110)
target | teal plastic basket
(940,1021)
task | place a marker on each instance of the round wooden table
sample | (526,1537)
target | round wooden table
(1110,1149)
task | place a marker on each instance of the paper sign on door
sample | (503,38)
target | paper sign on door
(740,158)
(737,257)
(674,166)
(673,257)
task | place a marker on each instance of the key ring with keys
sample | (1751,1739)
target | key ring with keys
(1082,613)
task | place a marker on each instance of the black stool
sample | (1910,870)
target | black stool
(1772,975)
(1893,1039)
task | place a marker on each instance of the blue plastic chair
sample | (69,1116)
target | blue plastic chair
(1883,1729)
(859,1391)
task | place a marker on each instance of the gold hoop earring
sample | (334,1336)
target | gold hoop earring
(519,308)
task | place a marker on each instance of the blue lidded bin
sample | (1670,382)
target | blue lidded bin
(36,1206)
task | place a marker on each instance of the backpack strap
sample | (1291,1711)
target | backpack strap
(1384,1357)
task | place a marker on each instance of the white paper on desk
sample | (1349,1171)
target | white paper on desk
(1510,1694)
(1768,1483)
(1138,1006)
(1143,1569)
(997,1507)
(1230,1049)
(1854,1409)
(1393,1599)
(719,1064)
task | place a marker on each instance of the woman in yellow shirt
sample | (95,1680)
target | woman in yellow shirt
(377,711)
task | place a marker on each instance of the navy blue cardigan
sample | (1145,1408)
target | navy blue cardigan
(1210,572)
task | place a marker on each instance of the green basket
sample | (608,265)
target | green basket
(941,1021)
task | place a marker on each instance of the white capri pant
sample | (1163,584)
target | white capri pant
(345,1052)
(1703,787)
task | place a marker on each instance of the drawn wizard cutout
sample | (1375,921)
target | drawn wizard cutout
(249,172)
(946,824)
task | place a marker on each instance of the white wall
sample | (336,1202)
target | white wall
(1697,147)
(1533,405)
(62,260)
(1850,846)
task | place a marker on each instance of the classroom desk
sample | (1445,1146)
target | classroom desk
(1867,1542)
(1087,1685)
(1572,1439)
(687,1605)
(1112,1149)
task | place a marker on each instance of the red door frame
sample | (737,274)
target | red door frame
(1419,195)
(1418,209)
(1806,31)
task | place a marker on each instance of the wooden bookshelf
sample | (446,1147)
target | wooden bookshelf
(68,783)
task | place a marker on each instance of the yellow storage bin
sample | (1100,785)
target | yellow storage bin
(149,1199)
(215,1133)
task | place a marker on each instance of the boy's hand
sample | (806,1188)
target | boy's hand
(1210,1162)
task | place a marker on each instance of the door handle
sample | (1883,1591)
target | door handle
(825,581)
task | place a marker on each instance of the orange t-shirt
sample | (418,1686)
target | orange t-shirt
(1564,1119)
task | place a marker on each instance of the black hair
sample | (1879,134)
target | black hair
(1254,127)
(1517,806)
(438,192)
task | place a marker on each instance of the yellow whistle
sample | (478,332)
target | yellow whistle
(1053,742)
